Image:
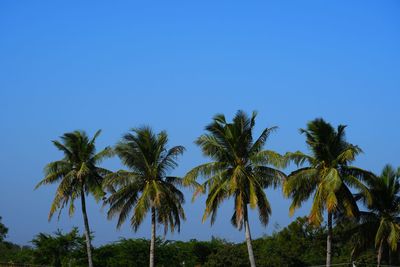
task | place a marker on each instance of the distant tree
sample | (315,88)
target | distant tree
(135,253)
(78,175)
(229,255)
(298,244)
(3,231)
(146,186)
(13,253)
(380,224)
(328,176)
(240,169)
(125,252)
(58,248)
(203,249)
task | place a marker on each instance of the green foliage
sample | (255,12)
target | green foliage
(126,252)
(229,255)
(135,252)
(3,231)
(59,249)
(299,244)
(13,253)
(10,252)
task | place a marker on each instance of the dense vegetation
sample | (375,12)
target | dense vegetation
(298,244)
(240,168)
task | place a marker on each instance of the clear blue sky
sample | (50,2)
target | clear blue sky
(114,65)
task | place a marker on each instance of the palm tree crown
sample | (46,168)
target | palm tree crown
(239,169)
(385,192)
(77,173)
(146,184)
(328,175)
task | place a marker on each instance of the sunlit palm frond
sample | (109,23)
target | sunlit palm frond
(205,170)
(270,158)
(299,158)
(299,186)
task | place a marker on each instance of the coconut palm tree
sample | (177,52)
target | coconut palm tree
(77,175)
(145,186)
(381,223)
(328,176)
(239,169)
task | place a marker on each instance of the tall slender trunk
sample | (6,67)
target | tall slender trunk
(248,238)
(380,251)
(87,230)
(153,236)
(329,241)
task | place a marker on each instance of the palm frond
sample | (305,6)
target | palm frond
(269,157)
(206,170)
(268,177)
(260,142)
(299,158)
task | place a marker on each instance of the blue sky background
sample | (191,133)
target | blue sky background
(114,65)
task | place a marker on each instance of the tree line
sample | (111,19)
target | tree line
(239,168)
(296,245)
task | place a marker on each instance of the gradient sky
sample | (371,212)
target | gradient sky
(114,65)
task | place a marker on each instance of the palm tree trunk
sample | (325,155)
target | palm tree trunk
(87,230)
(248,238)
(329,241)
(153,236)
(380,250)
